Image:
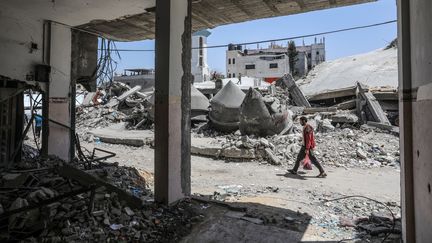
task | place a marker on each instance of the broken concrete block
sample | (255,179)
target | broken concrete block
(129,211)
(256,119)
(225,108)
(236,153)
(115,101)
(361,154)
(344,117)
(205,147)
(325,126)
(273,159)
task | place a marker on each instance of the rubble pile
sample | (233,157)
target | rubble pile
(338,146)
(49,201)
(359,218)
(263,116)
(121,103)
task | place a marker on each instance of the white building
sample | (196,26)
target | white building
(268,64)
(272,63)
(199,66)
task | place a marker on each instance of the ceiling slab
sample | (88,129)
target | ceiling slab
(212,13)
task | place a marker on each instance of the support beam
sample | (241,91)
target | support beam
(172,100)
(242,7)
(271,5)
(59,101)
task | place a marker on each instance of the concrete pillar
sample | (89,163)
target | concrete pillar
(172,100)
(415,101)
(59,95)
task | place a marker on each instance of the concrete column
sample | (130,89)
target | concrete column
(59,95)
(415,85)
(405,113)
(172,100)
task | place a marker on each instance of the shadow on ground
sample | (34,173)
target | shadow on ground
(249,222)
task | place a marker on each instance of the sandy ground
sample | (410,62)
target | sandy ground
(252,182)
(208,175)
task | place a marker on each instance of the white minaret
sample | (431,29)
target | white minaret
(199,66)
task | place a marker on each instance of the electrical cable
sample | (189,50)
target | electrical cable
(274,40)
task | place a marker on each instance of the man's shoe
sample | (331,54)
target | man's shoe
(292,172)
(322,175)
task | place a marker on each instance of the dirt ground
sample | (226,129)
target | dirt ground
(252,182)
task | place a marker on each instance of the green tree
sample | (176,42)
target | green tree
(292,55)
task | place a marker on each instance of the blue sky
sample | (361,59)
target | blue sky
(337,45)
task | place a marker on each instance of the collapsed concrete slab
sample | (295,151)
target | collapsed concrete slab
(256,118)
(210,147)
(225,108)
(117,134)
(116,101)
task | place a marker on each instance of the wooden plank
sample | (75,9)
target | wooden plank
(313,110)
(346,92)
(295,92)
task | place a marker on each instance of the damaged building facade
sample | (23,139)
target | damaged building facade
(43,48)
(272,63)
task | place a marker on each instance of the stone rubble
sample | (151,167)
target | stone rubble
(339,146)
(71,219)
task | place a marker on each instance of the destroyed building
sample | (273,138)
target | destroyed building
(70,194)
(272,63)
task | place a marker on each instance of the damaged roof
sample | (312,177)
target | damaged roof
(210,14)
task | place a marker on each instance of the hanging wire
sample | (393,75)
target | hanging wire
(106,63)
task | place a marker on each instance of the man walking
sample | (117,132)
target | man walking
(307,149)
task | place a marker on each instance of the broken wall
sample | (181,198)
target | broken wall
(21,45)
(26,42)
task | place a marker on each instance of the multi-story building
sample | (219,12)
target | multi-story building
(199,67)
(273,62)
(309,56)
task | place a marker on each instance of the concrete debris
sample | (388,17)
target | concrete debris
(225,108)
(263,116)
(65,208)
(271,157)
(361,154)
(370,219)
(338,146)
(344,117)
(297,95)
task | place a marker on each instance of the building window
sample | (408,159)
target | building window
(318,53)
(273,65)
(250,66)
(200,61)
(229,60)
(233,60)
(229,75)
(309,55)
(233,75)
